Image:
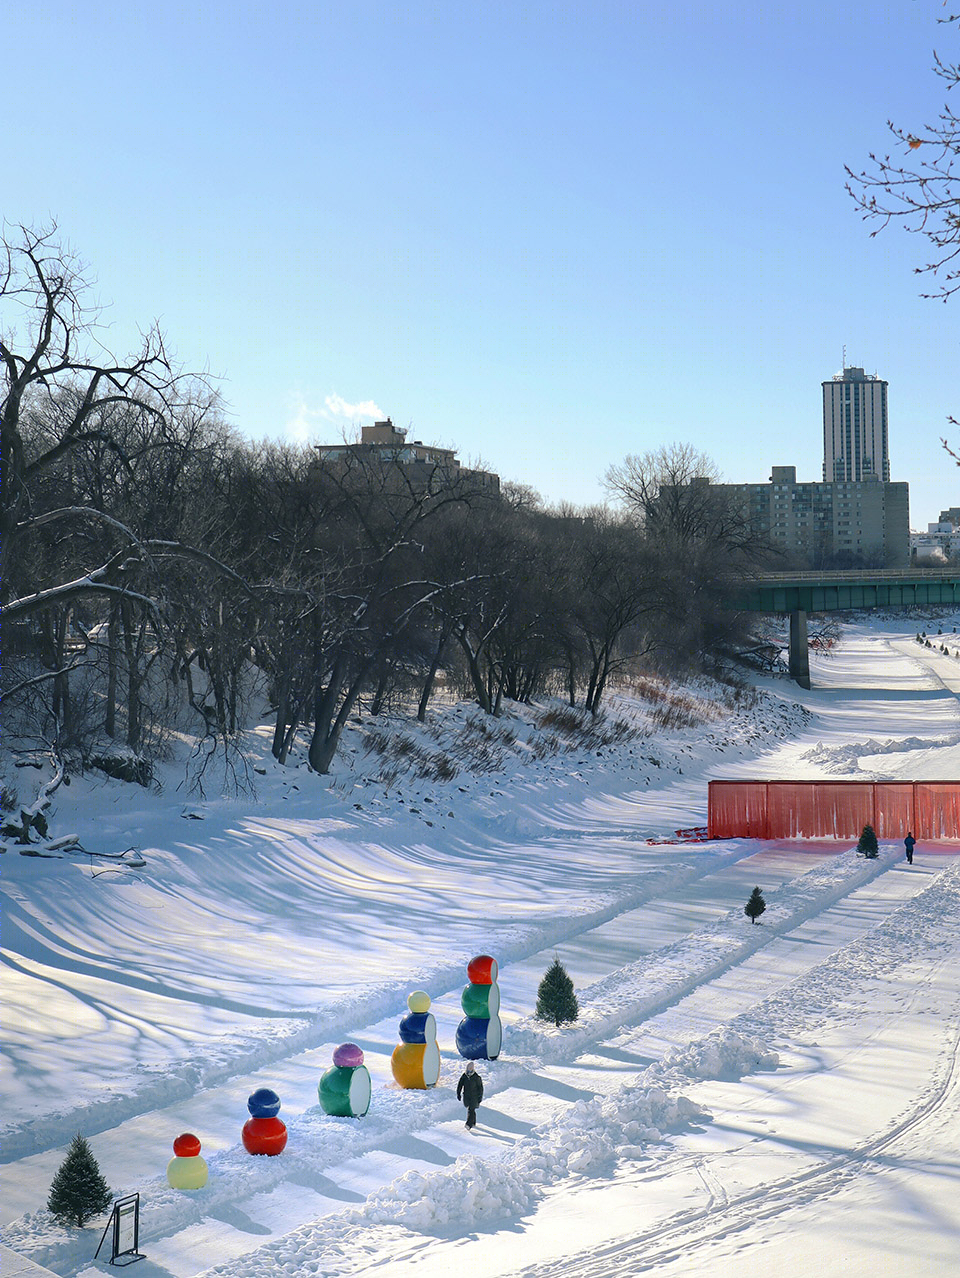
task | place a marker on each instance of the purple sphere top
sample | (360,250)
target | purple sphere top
(348,1056)
(264,1103)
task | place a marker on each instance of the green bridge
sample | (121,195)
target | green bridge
(798,593)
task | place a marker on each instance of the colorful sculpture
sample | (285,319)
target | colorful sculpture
(345,1089)
(264,1132)
(479,1034)
(186,1170)
(416,1061)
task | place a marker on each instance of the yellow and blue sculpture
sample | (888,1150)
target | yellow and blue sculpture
(345,1089)
(416,1061)
(479,1034)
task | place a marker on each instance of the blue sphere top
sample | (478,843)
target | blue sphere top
(412,1027)
(264,1103)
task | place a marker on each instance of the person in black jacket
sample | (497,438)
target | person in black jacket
(908,843)
(470,1091)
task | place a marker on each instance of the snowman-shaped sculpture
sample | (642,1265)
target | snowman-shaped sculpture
(416,1061)
(186,1170)
(479,1034)
(345,1089)
(264,1132)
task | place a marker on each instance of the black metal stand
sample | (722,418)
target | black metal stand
(124,1227)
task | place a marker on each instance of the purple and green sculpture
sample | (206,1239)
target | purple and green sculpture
(479,1034)
(345,1089)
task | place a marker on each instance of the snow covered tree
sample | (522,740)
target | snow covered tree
(755,906)
(556,1000)
(79,1192)
(867,843)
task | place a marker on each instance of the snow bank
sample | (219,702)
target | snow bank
(476,1193)
(444,870)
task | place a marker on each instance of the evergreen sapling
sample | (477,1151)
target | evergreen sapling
(79,1192)
(867,843)
(556,1000)
(755,906)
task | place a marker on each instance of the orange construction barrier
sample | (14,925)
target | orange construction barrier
(833,809)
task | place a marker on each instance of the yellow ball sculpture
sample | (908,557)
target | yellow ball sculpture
(186,1170)
(416,1061)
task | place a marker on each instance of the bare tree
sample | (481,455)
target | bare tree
(697,536)
(48,371)
(923,197)
(613,589)
(378,515)
(95,491)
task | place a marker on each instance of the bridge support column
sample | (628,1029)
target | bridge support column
(799,664)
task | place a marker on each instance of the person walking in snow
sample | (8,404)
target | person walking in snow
(908,843)
(470,1091)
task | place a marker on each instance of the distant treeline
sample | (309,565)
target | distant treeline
(157,566)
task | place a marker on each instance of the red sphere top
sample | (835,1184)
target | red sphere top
(186,1146)
(482,970)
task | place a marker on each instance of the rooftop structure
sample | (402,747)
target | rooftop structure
(423,464)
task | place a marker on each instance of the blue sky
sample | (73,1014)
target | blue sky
(547,235)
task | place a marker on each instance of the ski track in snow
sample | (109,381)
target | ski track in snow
(865,959)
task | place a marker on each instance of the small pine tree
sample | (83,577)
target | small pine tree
(79,1192)
(556,1000)
(755,906)
(867,843)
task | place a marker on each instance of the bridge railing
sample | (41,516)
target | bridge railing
(855,574)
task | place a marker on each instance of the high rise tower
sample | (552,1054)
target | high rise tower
(855,428)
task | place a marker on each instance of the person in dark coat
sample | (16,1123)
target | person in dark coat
(908,843)
(470,1091)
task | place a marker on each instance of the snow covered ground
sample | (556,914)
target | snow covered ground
(792,1086)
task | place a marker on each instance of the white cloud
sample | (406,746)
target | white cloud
(339,408)
(304,420)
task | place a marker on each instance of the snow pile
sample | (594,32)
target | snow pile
(471,1194)
(725,1054)
(842,759)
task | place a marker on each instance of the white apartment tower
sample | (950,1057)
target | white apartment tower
(855,428)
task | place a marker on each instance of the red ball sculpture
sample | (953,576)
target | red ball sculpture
(186,1146)
(263,1132)
(264,1136)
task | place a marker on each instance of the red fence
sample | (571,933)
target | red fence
(833,809)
